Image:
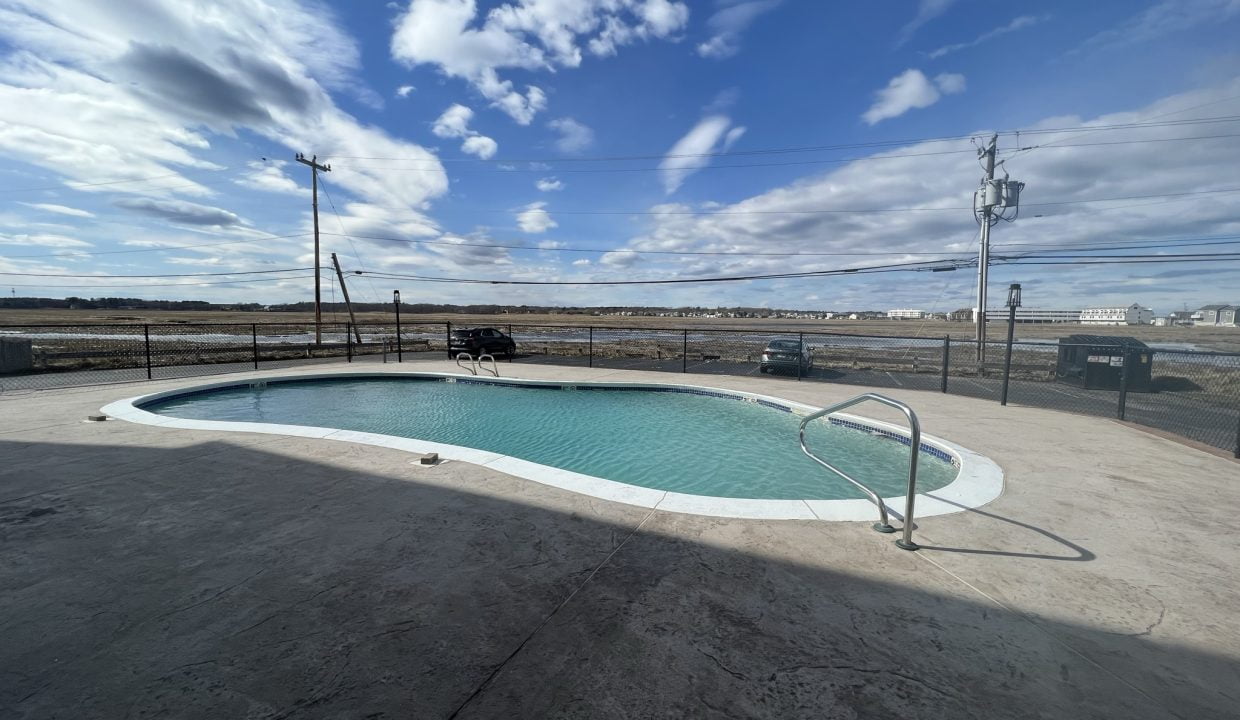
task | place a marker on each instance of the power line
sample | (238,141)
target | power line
(860,158)
(826,161)
(340,221)
(1105,245)
(210,274)
(640,252)
(159,249)
(146,285)
(811,148)
(898,267)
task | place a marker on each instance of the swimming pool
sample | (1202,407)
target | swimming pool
(707,445)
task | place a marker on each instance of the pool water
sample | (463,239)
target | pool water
(688,443)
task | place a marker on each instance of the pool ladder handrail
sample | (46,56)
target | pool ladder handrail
(494,364)
(476,364)
(883,525)
(473,364)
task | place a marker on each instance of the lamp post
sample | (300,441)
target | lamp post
(1013,302)
(396,302)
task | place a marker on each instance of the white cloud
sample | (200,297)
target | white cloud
(713,134)
(549,184)
(727,24)
(950,83)
(454,123)
(574,136)
(1163,18)
(60,209)
(404,90)
(927,10)
(911,89)
(480,145)
(43,240)
(1018,23)
(534,35)
(269,176)
(582,262)
(791,219)
(534,218)
(619,258)
(164,83)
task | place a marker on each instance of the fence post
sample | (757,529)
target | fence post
(591,359)
(684,353)
(254,342)
(947,351)
(1007,357)
(400,342)
(146,333)
(1123,385)
(348,341)
(449,326)
(1237,453)
(800,352)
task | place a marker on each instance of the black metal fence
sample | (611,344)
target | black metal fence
(1192,394)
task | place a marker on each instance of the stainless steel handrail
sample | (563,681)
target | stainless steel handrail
(488,356)
(883,526)
(473,364)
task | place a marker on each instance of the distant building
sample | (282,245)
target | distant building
(1134,314)
(1213,314)
(1184,317)
(905,314)
(1032,315)
(961,315)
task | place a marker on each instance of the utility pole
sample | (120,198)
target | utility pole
(315,167)
(995,200)
(344,290)
(985,201)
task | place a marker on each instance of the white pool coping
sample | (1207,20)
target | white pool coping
(979,479)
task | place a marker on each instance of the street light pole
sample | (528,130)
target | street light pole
(1013,302)
(399,344)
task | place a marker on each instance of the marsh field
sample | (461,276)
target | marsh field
(1216,339)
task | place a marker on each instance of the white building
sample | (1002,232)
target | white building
(1134,314)
(1033,315)
(905,314)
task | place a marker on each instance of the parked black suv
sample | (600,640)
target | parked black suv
(477,341)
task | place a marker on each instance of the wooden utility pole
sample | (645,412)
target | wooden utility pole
(344,289)
(315,167)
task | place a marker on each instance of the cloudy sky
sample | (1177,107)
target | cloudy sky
(588,140)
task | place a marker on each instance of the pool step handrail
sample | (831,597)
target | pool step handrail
(883,525)
(487,356)
(472,367)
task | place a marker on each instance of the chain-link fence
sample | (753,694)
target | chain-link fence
(34,357)
(1191,394)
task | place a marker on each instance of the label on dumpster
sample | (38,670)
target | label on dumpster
(1117,361)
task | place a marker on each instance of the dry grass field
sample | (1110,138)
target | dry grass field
(1200,338)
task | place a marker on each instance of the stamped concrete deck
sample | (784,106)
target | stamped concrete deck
(148,572)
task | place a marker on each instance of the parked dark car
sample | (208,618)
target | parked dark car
(786,355)
(478,341)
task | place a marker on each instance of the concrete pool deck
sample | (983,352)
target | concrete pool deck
(155,572)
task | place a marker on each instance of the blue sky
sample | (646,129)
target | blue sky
(157,138)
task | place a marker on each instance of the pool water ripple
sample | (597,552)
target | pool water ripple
(688,443)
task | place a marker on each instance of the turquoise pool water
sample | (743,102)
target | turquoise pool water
(689,443)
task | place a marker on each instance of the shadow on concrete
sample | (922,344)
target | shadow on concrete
(222,579)
(1082,554)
